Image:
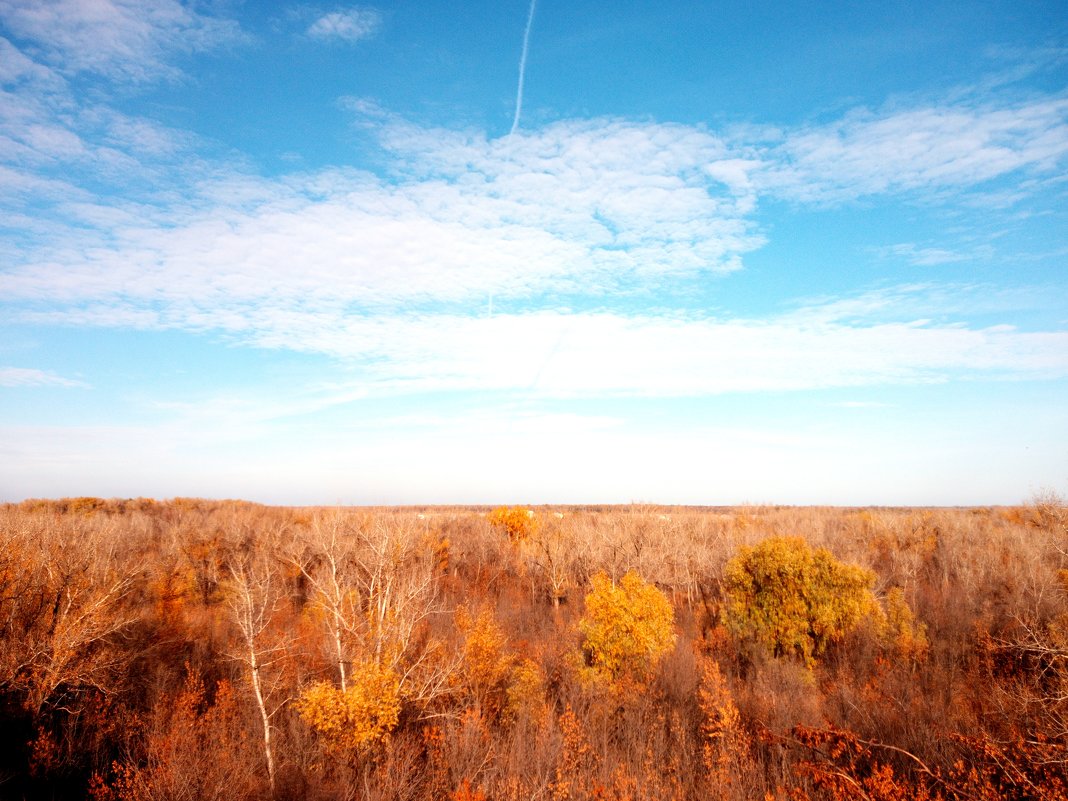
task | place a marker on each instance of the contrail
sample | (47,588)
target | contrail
(522,68)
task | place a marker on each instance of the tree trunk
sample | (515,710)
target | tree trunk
(263,714)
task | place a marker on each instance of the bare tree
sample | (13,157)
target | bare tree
(63,603)
(325,558)
(377,587)
(551,553)
(255,601)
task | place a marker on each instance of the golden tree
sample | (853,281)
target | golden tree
(627,628)
(517,522)
(363,713)
(487,664)
(794,599)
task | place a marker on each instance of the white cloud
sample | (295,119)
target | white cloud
(28,377)
(79,164)
(573,208)
(393,273)
(861,405)
(465,217)
(127,40)
(351,24)
(561,355)
(597,354)
(16,68)
(931,256)
(931,149)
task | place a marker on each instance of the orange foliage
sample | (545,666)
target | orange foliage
(576,758)
(843,766)
(465,792)
(464,683)
(517,522)
(725,746)
(195,747)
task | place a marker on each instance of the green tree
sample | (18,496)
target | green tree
(628,628)
(794,599)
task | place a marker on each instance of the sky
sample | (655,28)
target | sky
(489,252)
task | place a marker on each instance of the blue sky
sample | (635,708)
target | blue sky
(788,253)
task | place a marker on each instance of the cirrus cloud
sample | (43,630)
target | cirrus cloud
(123,40)
(927,149)
(588,354)
(29,377)
(350,25)
(462,217)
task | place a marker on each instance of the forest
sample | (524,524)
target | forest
(193,649)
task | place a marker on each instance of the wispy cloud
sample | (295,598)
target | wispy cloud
(928,148)
(463,217)
(555,354)
(17,68)
(919,303)
(82,166)
(931,256)
(350,25)
(460,216)
(28,377)
(861,405)
(390,273)
(595,354)
(125,40)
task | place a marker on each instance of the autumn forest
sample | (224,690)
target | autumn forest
(191,649)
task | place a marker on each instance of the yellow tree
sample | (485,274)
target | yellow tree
(793,599)
(628,627)
(362,713)
(487,664)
